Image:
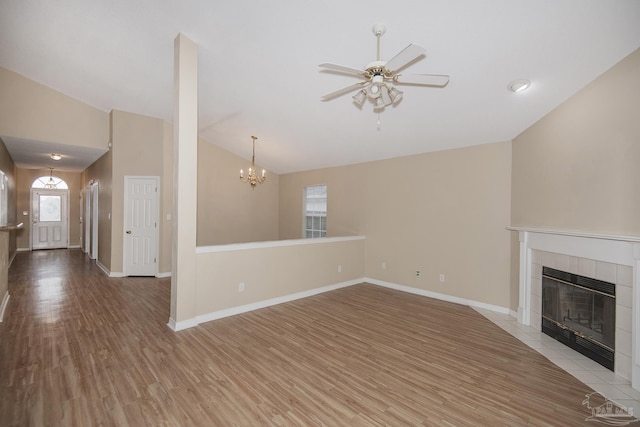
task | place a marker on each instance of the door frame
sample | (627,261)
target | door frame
(35,210)
(126,206)
(86,226)
(93,253)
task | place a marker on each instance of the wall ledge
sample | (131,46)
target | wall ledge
(273,244)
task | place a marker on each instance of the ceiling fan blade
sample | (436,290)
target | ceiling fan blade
(405,56)
(342,91)
(342,69)
(422,79)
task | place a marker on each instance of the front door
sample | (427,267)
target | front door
(140,226)
(50,219)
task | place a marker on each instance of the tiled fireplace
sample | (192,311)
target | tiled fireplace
(613,259)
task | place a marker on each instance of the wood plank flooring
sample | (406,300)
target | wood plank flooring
(80,349)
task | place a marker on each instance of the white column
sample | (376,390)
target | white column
(524,288)
(185,162)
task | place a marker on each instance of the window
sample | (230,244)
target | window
(50,182)
(315,211)
(50,208)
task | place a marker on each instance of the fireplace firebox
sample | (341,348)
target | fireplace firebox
(580,312)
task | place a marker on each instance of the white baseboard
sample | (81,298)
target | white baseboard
(190,323)
(73,247)
(163,275)
(437,295)
(3,306)
(23,250)
(220,314)
(106,270)
(184,324)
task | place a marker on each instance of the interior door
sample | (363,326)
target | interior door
(50,220)
(140,226)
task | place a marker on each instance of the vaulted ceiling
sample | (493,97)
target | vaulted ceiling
(259,74)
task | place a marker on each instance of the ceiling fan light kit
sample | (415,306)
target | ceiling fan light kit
(380,77)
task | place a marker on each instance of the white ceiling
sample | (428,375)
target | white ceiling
(27,153)
(259,75)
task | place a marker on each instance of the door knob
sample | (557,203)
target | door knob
(128,231)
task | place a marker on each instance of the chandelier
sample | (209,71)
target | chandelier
(252,178)
(51,184)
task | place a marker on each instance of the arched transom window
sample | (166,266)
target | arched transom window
(50,183)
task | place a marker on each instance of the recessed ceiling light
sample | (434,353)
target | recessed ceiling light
(55,156)
(519,85)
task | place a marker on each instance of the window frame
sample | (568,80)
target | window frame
(314,222)
(41,182)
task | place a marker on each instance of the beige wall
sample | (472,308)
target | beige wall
(138,148)
(230,211)
(273,272)
(346,191)
(577,168)
(30,110)
(443,212)
(25,178)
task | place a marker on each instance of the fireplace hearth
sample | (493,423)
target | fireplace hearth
(581,313)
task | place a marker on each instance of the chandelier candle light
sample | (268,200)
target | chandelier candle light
(252,178)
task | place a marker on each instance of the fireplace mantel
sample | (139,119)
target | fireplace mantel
(615,249)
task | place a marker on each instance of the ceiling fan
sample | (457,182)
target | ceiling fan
(380,77)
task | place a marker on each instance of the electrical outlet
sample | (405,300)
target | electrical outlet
(417,273)
(384,265)
(442,277)
(241,287)
(339,268)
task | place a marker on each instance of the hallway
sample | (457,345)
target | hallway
(70,336)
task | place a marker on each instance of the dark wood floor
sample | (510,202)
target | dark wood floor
(81,349)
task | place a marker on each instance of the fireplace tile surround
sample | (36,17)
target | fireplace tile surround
(614,259)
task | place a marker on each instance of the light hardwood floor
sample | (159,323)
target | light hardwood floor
(81,349)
